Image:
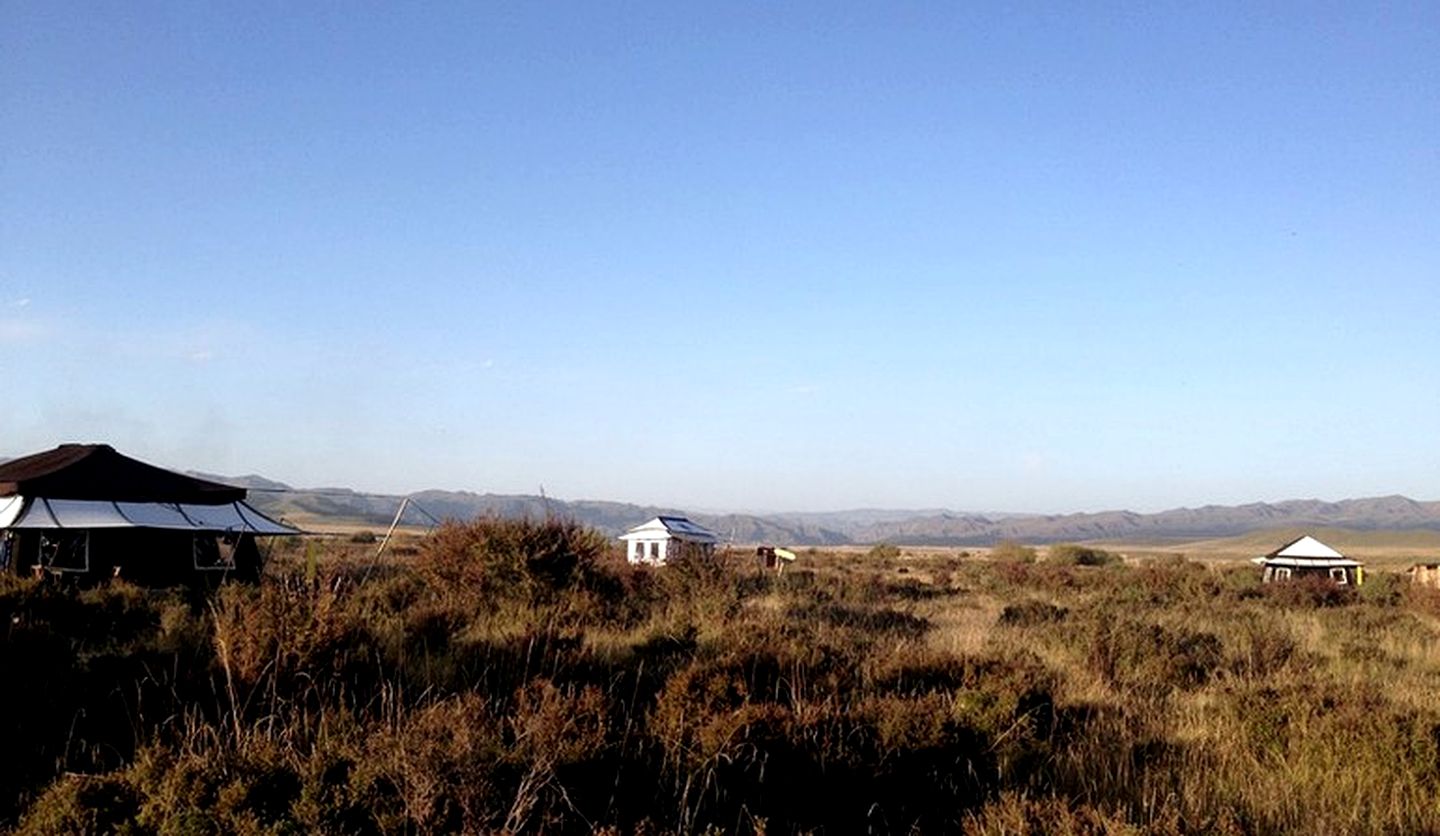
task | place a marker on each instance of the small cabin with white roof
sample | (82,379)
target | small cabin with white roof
(663,539)
(1306,556)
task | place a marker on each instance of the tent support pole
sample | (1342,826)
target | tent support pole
(395,523)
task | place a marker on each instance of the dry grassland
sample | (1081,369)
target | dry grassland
(518,677)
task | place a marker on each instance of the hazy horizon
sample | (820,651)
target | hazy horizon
(782,512)
(820,256)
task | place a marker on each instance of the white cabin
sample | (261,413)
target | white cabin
(667,538)
(1308,556)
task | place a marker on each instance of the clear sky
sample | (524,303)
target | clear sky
(769,256)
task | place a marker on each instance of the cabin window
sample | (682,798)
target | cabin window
(1282,573)
(214,553)
(655,551)
(1337,574)
(65,551)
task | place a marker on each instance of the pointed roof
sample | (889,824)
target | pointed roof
(98,472)
(1307,547)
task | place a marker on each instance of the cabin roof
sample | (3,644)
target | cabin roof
(672,527)
(1309,562)
(1306,548)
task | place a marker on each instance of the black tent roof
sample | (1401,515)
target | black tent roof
(98,472)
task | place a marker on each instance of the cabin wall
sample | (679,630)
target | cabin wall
(1340,575)
(662,551)
(684,549)
(646,551)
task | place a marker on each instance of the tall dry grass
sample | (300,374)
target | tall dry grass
(519,677)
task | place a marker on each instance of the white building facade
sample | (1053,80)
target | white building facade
(664,539)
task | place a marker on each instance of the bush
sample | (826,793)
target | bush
(82,804)
(1265,649)
(1014,814)
(1310,592)
(1419,598)
(1151,659)
(1069,554)
(872,620)
(883,551)
(1032,614)
(1009,551)
(499,558)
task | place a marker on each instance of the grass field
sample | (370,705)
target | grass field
(516,677)
(1386,550)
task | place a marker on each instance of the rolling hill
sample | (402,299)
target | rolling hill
(865,526)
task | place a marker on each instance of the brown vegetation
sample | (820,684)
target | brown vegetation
(517,676)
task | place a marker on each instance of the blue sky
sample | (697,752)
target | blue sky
(743,256)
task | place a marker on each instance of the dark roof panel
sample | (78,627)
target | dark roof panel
(98,472)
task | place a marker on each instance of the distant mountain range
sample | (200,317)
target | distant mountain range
(858,527)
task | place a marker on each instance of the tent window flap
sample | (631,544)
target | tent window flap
(214,554)
(65,551)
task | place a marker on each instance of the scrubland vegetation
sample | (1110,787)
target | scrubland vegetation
(510,676)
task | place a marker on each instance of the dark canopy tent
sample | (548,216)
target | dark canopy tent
(86,509)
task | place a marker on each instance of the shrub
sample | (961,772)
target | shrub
(871,620)
(1032,614)
(1386,589)
(1014,814)
(82,804)
(1048,577)
(1265,649)
(1310,592)
(497,557)
(282,630)
(883,551)
(1419,598)
(1164,582)
(1009,551)
(1151,659)
(94,671)
(1069,554)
